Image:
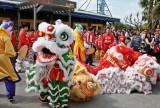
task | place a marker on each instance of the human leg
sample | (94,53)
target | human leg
(10,89)
(63,94)
(54,94)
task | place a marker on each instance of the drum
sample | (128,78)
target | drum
(90,51)
(23,52)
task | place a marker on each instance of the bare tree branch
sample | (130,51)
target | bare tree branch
(134,21)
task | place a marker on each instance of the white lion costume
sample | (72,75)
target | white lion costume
(52,73)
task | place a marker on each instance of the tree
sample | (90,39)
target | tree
(151,12)
(134,21)
(156,15)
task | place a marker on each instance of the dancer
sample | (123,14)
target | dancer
(7,73)
(79,50)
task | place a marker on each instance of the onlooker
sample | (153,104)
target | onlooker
(128,42)
(143,35)
(157,43)
(126,34)
(37,34)
(89,41)
(122,37)
(132,34)
(157,38)
(143,49)
(113,30)
(116,39)
(136,42)
(148,41)
(31,37)
(13,39)
(98,46)
(107,39)
(156,51)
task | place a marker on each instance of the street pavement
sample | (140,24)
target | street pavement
(134,100)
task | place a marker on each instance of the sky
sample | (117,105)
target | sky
(119,8)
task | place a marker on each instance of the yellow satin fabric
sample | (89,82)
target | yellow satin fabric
(6,51)
(78,46)
(98,54)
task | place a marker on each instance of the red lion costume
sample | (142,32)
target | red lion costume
(117,56)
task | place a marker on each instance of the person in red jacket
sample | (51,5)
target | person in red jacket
(31,37)
(23,40)
(37,34)
(13,39)
(107,39)
(98,46)
(122,37)
(89,41)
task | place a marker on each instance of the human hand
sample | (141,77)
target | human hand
(85,51)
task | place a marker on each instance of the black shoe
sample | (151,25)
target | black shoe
(65,107)
(93,65)
(10,98)
(43,101)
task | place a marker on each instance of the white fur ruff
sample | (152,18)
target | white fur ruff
(116,81)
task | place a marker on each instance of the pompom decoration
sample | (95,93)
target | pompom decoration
(6,24)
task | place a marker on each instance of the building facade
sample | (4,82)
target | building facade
(10,11)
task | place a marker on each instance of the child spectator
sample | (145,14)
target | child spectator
(128,42)
(122,37)
(98,46)
(31,37)
(116,39)
(143,49)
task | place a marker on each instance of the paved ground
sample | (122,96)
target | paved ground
(134,100)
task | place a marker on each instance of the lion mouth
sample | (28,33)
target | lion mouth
(47,56)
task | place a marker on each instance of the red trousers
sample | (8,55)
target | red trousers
(104,49)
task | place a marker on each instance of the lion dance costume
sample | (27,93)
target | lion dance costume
(123,70)
(53,71)
(84,85)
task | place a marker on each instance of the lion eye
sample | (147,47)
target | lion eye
(151,63)
(64,36)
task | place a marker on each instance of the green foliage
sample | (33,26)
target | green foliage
(151,12)
(120,26)
(145,26)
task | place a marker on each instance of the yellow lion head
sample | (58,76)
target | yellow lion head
(84,85)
